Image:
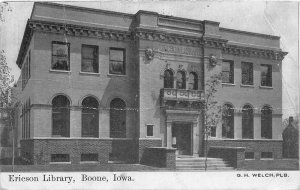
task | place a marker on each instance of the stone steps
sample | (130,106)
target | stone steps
(198,163)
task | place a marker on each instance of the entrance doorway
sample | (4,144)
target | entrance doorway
(182,138)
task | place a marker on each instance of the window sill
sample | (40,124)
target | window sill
(60,71)
(89,73)
(116,75)
(266,87)
(249,159)
(247,86)
(88,162)
(149,136)
(228,84)
(266,158)
(59,162)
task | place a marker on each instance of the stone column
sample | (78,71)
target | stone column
(75,122)
(169,134)
(195,128)
(256,126)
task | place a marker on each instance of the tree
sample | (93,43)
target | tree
(285,122)
(6,98)
(212,111)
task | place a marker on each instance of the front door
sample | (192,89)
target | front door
(181,138)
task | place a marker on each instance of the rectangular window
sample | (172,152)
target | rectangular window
(117,61)
(89,157)
(266,155)
(213,132)
(249,155)
(60,158)
(149,130)
(25,71)
(60,56)
(266,75)
(89,59)
(247,73)
(228,72)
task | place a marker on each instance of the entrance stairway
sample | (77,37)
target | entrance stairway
(189,163)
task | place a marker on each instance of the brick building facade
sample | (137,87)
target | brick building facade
(100,86)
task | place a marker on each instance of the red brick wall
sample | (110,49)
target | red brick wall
(144,143)
(39,151)
(256,146)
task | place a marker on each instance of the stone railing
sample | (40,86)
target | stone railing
(181,94)
(234,155)
(162,157)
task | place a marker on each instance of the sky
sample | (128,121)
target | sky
(278,18)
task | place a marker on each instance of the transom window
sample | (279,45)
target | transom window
(228,72)
(117,61)
(266,75)
(247,73)
(247,122)
(181,78)
(228,121)
(193,81)
(60,56)
(89,59)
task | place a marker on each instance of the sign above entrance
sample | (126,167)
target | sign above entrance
(179,50)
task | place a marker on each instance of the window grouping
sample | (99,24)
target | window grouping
(25,115)
(89,58)
(181,80)
(247,73)
(89,117)
(25,72)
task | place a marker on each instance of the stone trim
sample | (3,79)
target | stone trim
(254,52)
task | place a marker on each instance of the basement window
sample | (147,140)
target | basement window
(249,155)
(60,158)
(89,157)
(266,155)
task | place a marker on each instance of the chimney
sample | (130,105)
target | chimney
(291,120)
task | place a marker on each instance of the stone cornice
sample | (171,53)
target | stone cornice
(254,52)
(212,42)
(144,34)
(155,35)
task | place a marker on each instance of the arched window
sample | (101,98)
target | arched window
(228,121)
(90,118)
(117,118)
(266,122)
(193,81)
(247,122)
(61,116)
(168,79)
(180,83)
